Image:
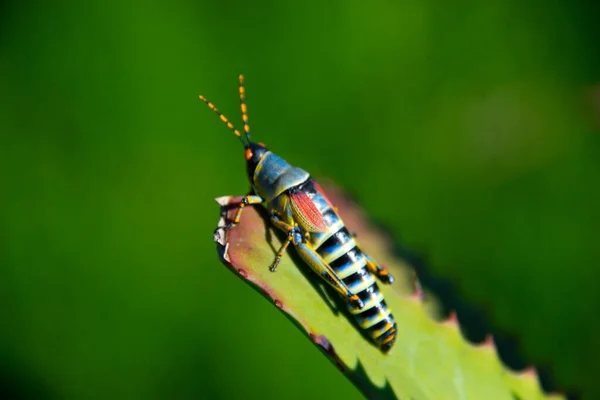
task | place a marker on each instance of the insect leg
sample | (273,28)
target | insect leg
(246,200)
(282,249)
(279,224)
(313,259)
(291,232)
(317,264)
(379,270)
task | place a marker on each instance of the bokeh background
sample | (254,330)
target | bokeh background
(469,131)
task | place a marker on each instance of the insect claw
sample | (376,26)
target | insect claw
(273,266)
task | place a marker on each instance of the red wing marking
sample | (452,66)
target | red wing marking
(322,193)
(306,212)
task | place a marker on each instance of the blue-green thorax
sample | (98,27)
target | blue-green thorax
(273,176)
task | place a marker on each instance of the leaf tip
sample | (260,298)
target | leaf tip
(452,320)
(529,372)
(488,343)
(417,289)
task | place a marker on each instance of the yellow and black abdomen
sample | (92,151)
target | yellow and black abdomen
(338,248)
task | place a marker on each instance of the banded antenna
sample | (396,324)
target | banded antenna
(244,109)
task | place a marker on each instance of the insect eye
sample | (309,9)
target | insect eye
(248,154)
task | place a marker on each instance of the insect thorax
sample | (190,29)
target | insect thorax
(274,175)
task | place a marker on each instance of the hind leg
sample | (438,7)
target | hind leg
(317,264)
(379,270)
(313,260)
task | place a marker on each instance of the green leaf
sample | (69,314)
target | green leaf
(430,359)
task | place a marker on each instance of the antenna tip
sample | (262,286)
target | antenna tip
(202,98)
(241,78)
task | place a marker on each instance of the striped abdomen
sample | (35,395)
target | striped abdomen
(339,250)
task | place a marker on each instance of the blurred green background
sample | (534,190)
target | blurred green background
(465,129)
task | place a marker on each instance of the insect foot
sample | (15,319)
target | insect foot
(273,267)
(386,277)
(294,235)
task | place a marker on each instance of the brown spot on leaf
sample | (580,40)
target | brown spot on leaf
(325,344)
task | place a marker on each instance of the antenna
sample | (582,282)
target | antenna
(244,108)
(225,120)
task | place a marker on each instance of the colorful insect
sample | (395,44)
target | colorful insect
(298,206)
